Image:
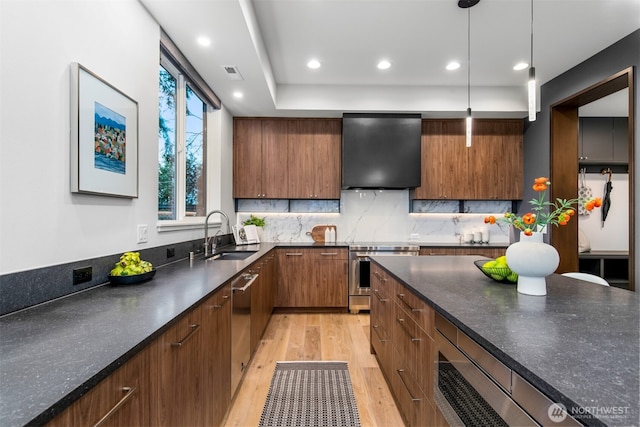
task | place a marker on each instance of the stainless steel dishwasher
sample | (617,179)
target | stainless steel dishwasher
(240,327)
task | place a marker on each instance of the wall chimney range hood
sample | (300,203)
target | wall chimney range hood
(381,151)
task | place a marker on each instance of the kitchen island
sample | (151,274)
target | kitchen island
(578,345)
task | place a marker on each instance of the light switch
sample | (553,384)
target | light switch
(143,233)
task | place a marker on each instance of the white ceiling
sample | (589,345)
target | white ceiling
(270,42)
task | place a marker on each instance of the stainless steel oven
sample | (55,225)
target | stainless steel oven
(473,388)
(360,269)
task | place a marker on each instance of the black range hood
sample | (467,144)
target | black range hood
(381,151)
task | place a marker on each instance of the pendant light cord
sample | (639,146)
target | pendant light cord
(469,57)
(531,64)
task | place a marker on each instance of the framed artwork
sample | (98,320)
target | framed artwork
(104,137)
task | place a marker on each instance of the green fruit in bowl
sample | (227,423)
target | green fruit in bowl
(513,276)
(497,277)
(489,264)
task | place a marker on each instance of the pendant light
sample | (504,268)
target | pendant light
(531,85)
(468,4)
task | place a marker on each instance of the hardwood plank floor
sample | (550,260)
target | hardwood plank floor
(317,336)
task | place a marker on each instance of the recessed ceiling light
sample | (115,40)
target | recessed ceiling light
(384,64)
(453,65)
(520,66)
(238,95)
(203,41)
(313,64)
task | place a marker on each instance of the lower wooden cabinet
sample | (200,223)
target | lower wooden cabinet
(402,329)
(312,278)
(179,373)
(121,399)
(262,296)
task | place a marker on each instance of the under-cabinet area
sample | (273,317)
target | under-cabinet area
(613,266)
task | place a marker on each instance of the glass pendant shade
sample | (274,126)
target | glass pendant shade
(531,85)
(469,125)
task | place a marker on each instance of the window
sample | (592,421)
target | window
(184,100)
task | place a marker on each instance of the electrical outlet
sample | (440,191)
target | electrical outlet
(82,275)
(171,252)
(143,233)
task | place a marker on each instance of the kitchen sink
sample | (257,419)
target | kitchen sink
(232,255)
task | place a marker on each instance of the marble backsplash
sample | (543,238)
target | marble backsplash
(378,216)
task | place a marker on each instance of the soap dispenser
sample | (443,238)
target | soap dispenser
(327,234)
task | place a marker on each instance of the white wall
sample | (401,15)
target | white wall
(613,234)
(41,222)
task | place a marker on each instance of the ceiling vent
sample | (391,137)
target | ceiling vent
(232,72)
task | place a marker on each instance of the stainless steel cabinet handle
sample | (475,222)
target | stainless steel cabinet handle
(375,328)
(414,310)
(293,254)
(130,391)
(377,294)
(379,276)
(194,328)
(413,339)
(413,399)
(225,298)
(328,253)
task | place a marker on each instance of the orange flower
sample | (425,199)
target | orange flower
(539,187)
(590,205)
(527,232)
(598,202)
(529,218)
(490,219)
(570,212)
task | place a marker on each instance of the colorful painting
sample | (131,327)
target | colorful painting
(110,140)
(104,137)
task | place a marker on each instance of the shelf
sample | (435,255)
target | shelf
(613,266)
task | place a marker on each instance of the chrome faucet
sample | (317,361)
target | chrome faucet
(206,229)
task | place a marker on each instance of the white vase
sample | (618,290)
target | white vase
(533,260)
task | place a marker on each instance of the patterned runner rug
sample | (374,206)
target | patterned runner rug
(310,394)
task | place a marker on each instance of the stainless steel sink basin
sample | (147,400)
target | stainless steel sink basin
(232,255)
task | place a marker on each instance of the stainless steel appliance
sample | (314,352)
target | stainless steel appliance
(240,327)
(471,387)
(359,269)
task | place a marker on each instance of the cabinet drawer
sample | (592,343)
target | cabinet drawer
(416,348)
(330,253)
(380,280)
(415,308)
(411,401)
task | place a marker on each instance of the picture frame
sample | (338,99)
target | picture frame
(104,137)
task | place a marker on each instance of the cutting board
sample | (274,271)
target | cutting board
(317,232)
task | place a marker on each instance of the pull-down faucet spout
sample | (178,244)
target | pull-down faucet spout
(206,229)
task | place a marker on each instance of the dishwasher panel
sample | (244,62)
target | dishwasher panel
(240,327)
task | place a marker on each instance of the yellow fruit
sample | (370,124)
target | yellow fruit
(489,264)
(502,260)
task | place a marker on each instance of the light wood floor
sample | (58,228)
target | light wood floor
(317,336)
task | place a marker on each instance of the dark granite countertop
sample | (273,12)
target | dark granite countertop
(579,344)
(53,353)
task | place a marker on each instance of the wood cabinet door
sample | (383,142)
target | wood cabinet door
(296,278)
(328,155)
(495,160)
(302,163)
(247,158)
(121,399)
(179,373)
(274,159)
(456,183)
(431,181)
(331,287)
(216,332)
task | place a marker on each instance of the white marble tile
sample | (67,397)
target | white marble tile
(379,216)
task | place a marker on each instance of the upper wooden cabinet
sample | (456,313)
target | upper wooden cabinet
(491,169)
(260,158)
(286,158)
(314,158)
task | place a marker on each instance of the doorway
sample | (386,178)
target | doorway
(564,152)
